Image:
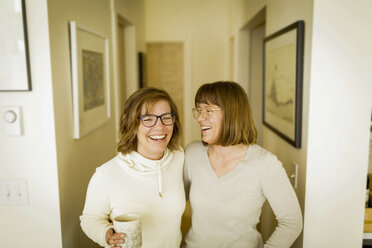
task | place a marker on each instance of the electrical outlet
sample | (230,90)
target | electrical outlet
(13,192)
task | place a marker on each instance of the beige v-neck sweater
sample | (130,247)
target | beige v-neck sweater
(132,183)
(226,210)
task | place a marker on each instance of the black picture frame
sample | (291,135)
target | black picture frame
(18,55)
(283,57)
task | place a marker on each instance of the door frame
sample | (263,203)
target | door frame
(130,64)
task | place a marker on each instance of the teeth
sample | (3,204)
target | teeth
(205,128)
(157,137)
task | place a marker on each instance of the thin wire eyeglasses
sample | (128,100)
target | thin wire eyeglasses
(150,120)
(206,113)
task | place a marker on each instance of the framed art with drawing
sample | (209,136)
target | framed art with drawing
(282,82)
(90,79)
(14,52)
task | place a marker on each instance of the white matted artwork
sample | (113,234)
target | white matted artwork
(282,86)
(14,53)
(90,79)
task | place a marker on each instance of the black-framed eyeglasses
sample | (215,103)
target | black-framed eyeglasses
(150,120)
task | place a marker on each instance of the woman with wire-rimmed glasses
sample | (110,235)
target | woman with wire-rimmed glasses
(228,177)
(145,178)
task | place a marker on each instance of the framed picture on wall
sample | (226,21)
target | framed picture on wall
(282,82)
(90,79)
(14,53)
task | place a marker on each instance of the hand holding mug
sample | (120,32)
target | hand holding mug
(130,225)
(115,239)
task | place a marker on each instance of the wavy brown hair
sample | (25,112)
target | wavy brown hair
(237,123)
(129,121)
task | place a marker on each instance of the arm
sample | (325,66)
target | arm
(283,200)
(95,218)
(192,152)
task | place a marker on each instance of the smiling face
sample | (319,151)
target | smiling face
(152,141)
(210,125)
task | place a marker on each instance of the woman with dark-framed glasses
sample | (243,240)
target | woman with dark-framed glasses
(145,177)
(228,177)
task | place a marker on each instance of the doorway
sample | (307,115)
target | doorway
(257,35)
(125,57)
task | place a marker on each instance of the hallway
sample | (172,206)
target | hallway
(220,41)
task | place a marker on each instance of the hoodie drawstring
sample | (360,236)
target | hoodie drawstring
(139,164)
(160,181)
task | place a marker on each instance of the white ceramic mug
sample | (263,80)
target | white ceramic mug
(130,224)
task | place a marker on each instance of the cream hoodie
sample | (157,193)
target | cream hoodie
(132,183)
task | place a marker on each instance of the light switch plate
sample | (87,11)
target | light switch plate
(13,192)
(293,175)
(11,120)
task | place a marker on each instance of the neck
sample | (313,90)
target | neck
(152,156)
(227,151)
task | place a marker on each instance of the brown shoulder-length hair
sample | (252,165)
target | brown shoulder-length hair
(129,121)
(237,124)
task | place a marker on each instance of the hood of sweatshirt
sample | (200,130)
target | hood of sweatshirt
(140,165)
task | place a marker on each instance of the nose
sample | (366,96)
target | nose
(201,117)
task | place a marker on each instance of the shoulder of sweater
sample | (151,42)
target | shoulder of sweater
(194,146)
(261,156)
(179,151)
(115,161)
(178,156)
(259,152)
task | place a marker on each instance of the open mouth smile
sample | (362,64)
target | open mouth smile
(157,137)
(205,128)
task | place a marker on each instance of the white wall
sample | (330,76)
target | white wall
(339,116)
(33,155)
(203,26)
